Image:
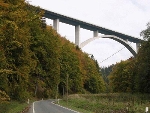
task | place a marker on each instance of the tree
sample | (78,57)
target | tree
(121,78)
(146,33)
(93,82)
(35,59)
(15,45)
(70,67)
(142,63)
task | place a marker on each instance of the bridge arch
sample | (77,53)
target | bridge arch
(123,42)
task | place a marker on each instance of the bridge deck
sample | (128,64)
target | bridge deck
(89,26)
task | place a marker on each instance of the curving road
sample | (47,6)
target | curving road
(47,106)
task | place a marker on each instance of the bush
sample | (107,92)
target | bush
(4,96)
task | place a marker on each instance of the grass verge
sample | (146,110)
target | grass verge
(108,103)
(12,107)
(72,105)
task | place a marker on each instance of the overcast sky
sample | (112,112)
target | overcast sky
(126,16)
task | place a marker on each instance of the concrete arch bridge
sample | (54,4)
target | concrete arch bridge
(107,33)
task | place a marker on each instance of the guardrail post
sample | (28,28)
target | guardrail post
(28,101)
(146,110)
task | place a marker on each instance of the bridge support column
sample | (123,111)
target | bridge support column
(137,46)
(95,33)
(77,35)
(56,24)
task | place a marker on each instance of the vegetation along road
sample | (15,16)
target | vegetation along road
(48,106)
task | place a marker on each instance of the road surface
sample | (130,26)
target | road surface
(47,106)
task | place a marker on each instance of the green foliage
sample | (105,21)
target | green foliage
(36,60)
(12,107)
(146,33)
(15,48)
(69,66)
(120,78)
(4,96)
(143,68)
(93,78)
(108,103)
(107,70)
(133,75)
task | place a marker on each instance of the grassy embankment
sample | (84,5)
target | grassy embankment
(108,103)
(14,106)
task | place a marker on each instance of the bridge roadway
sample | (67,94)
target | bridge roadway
(88,26)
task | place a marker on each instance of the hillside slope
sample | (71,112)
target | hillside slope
(36,61)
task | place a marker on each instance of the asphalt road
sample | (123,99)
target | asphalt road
(47,106)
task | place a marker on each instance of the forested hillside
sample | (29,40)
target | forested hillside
(35,61)
(133,75)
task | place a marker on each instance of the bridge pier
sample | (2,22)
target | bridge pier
(77,35)
(95,33)
(56,24)
(137,47)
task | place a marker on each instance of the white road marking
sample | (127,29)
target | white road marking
(64,107)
